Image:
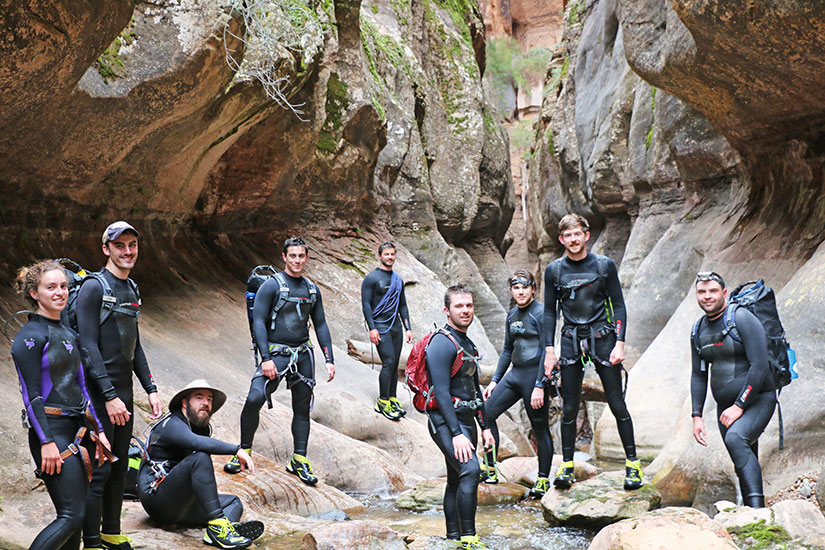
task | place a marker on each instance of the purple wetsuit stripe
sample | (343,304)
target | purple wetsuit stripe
(29,410)
(45,375)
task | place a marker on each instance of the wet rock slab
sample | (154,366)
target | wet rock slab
(430,494)
(670,528)
(353,534)
(598,501)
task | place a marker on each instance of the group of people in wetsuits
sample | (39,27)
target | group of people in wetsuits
(79,433)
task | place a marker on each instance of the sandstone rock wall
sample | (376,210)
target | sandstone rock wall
(688,147)
(397,142)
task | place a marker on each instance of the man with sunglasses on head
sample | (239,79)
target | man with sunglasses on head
(738,366)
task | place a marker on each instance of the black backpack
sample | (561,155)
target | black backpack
(759,299)
(77,276)
(257,277)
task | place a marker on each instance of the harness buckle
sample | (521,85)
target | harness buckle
(73,448)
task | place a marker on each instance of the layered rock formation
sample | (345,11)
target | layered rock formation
(689,148)
(130,110)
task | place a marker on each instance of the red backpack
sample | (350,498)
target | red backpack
(416,371)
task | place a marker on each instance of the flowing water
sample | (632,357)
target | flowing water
(505,527)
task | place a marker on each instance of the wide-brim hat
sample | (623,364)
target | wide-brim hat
(218,397)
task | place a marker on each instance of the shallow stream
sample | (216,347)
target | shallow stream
(504,527)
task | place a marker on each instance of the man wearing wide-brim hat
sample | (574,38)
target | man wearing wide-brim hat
(177,483)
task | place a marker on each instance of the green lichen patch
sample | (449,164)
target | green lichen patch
(109,64)
(336,105)
(764,536)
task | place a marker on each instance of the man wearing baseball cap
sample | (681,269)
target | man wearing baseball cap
(177,484)
(107,320)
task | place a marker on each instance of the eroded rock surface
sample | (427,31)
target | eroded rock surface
(671,528)
(598,501)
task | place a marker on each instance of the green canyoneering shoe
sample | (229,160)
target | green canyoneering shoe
(564,477)
(115,542)
(221,533)
(234,465)
(299,465)
(249,529)
(397,406)
(489,474)
(540,488)
(471,543)
(386,408)
(633,477)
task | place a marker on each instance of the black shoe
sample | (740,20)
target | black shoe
(300,466)
(397,406)
(633,478)
(564,477)
(249,529)
(115,542)
(540,488)
(234,465)
(386,408)
(221,533)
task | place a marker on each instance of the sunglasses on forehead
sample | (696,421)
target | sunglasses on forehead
(710,276)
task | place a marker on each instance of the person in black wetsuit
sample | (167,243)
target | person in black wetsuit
(744,392)
(64,431)
(523,346)
(385,312)
(587,289)
(286,352)
(114,353)
(458,407)
(177,483)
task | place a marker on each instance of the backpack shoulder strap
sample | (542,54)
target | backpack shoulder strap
(602,263)
(694,334)
(107,304)
(555,272)
(459,356)
(730,322)
(313,290)
(283,296)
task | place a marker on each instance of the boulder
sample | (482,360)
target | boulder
(819,492)
(739,516)
(524,469)
(430,494)
(668,528)
(365,534)
(800,518)
(274,489)
(598,501)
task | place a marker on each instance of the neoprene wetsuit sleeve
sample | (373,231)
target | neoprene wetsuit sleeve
(89,300)
(322,329)
(752,334)
(402,309)
(698,382)
(539,317)
(27,352)
(81,381)
(141,367)
(366,299)
(480,413)
(261,310)
(549,308)
(614,290)
(440,354)
(178,434)
(506,352)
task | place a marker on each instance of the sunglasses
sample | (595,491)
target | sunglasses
(710,276)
